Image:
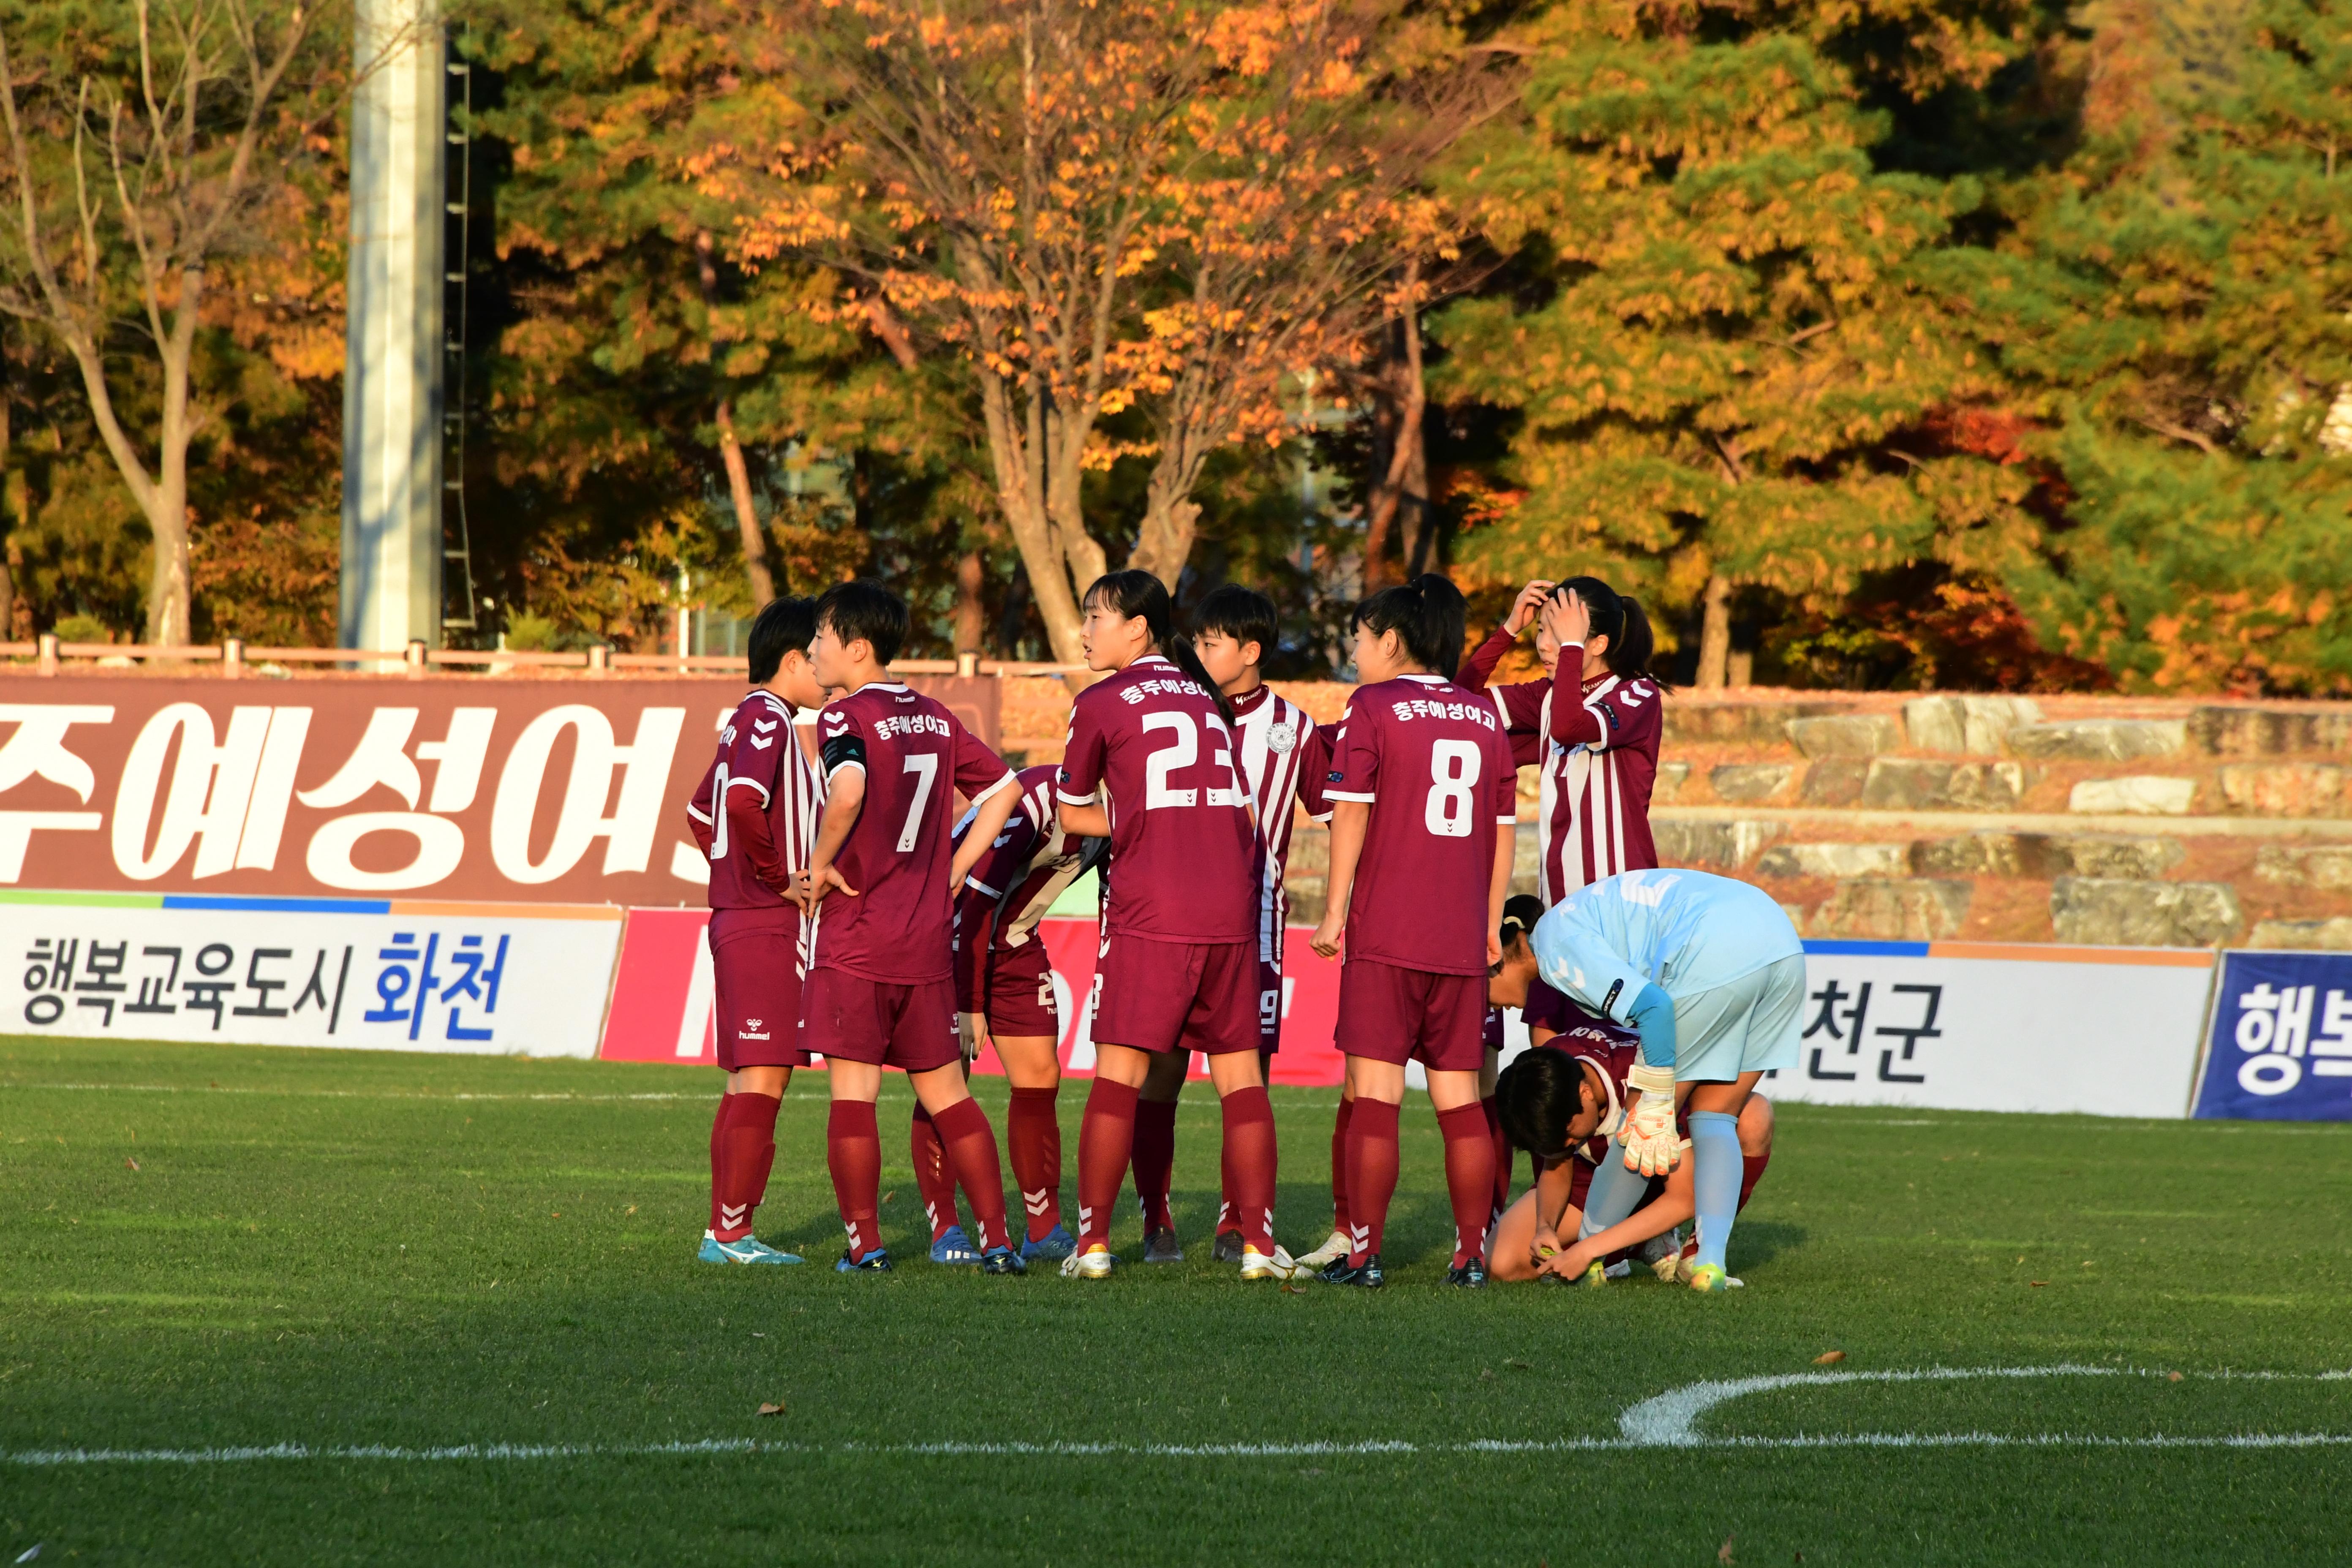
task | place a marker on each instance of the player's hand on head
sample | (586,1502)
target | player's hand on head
(1525,607)
(1567,618)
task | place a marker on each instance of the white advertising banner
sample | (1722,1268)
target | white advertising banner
(371,975)
(1986,1027)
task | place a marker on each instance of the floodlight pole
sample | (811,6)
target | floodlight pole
(391,373)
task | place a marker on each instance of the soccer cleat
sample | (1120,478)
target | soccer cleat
(1334,1247)
(1594,1276)
(1228,1248)
(1095,1262)
(1054,1245)
(1709,1277)
(1660,1253)
(1470,1276)
(954,1249)
(874,1262)
(1256,1265)
(1161,1247)
(1001,1260)
(742,1249)
(1366,1276)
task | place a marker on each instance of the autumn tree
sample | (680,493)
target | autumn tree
(1741,326)
(145,140)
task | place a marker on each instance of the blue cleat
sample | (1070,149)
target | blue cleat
(745,1249)
(1057,1243)
(1001,1260)
(874,1262)
(954,1249)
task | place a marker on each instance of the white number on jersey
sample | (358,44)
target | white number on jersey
(1183,753)
(1452,775)
(925,766)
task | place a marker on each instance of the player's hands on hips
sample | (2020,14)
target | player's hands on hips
(1523,608)
(1327,935)
(1652,1145)
(815,882)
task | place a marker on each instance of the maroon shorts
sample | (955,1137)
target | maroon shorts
(1394,1015)
(911,1027)
(1269,1005)
(1021,993)
(755,971)
(1166,996)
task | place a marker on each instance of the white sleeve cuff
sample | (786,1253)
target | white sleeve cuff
(1335,794)
(977,886)
(1006,778)
(837,767)
(748,783)
(1067,798)
(701,816)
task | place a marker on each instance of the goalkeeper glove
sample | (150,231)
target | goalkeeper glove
(1651,1146)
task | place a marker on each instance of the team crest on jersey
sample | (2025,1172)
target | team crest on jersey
(1280,738)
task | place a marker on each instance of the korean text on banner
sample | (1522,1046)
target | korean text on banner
(2281,1047)
(366,974)
(1980,1027)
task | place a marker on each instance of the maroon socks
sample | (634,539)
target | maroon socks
(1249,1165)
(1469,1177)
(933,1179)
(1034,1137)
(1106,1143)
(742,1148)
(1372,1175)
(1155,1161)
(853,1153)
(970,1146)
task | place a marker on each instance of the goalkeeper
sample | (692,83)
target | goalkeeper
(1711,973)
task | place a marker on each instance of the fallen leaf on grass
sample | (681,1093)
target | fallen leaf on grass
(758,1335)
(133,1163)
(1518,1365)
(2037,1284)
(1486,1375)
(2172,1377)
(1723,1552)
(1829,1358)
(1289,1289)
(771,1410)
(889,1196)
(630,1209)
(555,1216)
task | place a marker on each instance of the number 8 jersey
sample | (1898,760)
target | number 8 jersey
(1182,852)
(1433,763)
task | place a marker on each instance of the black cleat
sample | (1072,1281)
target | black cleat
(1161,1247)
(1001,1260)
(1366,1276)
(1228,1248)
(1470,1276)
(874,1262)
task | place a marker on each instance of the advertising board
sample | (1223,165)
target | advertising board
(2280,1047)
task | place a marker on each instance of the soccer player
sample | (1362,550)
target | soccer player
(1004,996)
(1283,760)
(1424,807)
(1712,975)
(1562,1103)
(878,890)
(1150,765)
(754,816)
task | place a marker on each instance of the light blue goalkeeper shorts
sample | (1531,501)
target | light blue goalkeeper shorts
(1751,1024)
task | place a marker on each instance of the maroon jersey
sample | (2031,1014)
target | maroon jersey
(1285,759)
(1430,759)
(1183,852)
(916,758)
(1012,885)
(755,813)
(1615,1052)
(1598,757)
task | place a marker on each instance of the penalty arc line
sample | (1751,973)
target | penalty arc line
(1667,1421)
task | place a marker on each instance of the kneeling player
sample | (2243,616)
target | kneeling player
(754,817)
(881,990)
(1561,1103)
(1425,804)
(1712,975)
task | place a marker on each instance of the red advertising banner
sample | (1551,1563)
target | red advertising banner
(554,791)
(662,997)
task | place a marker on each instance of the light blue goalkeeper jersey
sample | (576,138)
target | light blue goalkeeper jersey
(1687,932)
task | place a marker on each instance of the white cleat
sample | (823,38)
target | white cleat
(1094,1262)
(1334,1247)
(1663,1254)
(1256,1265)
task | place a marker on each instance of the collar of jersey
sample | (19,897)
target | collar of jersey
(1149,659)
(1427,680)
(1249,702)
(882,686)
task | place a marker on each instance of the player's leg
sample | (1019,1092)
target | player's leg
(1222,1024)
(1335,1246)
(756,1008)
(1142,991)
(1229,1244)
(1024,1023)
(1452,1046)
(1155,1154)
(1755,1157)
(1378,1021)
(1741,1032)
(853,1157)
(935,1181)
(923,1042)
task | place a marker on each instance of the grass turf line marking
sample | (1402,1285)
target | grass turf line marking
(1667,1421)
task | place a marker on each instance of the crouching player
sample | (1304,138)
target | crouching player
(754,817)
(878,890)
(1004,998)
(1711,974)
(1424,805)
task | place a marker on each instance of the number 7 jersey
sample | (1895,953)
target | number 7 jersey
(1432,761)
(914,757)
(1182,852)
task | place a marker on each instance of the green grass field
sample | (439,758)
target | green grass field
(344,1251)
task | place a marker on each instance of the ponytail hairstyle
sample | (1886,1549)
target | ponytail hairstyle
(1520,913)
(1134,593)
(1620,619)
(1427,614)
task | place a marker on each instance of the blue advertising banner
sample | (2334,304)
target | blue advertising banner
(2281,1046)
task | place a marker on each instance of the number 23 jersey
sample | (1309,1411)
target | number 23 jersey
(1182,852)
(1432,760)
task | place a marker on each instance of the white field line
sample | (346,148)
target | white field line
(1667,1421)
(337,1093)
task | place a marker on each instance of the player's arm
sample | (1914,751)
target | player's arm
(1573,960)
(1481,663)
(1672,1208)
(698,812)
(1504,801)
(842,747)
(975,928)
(1349,818)
(1077,788)
(990,813)
(1555,1184)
